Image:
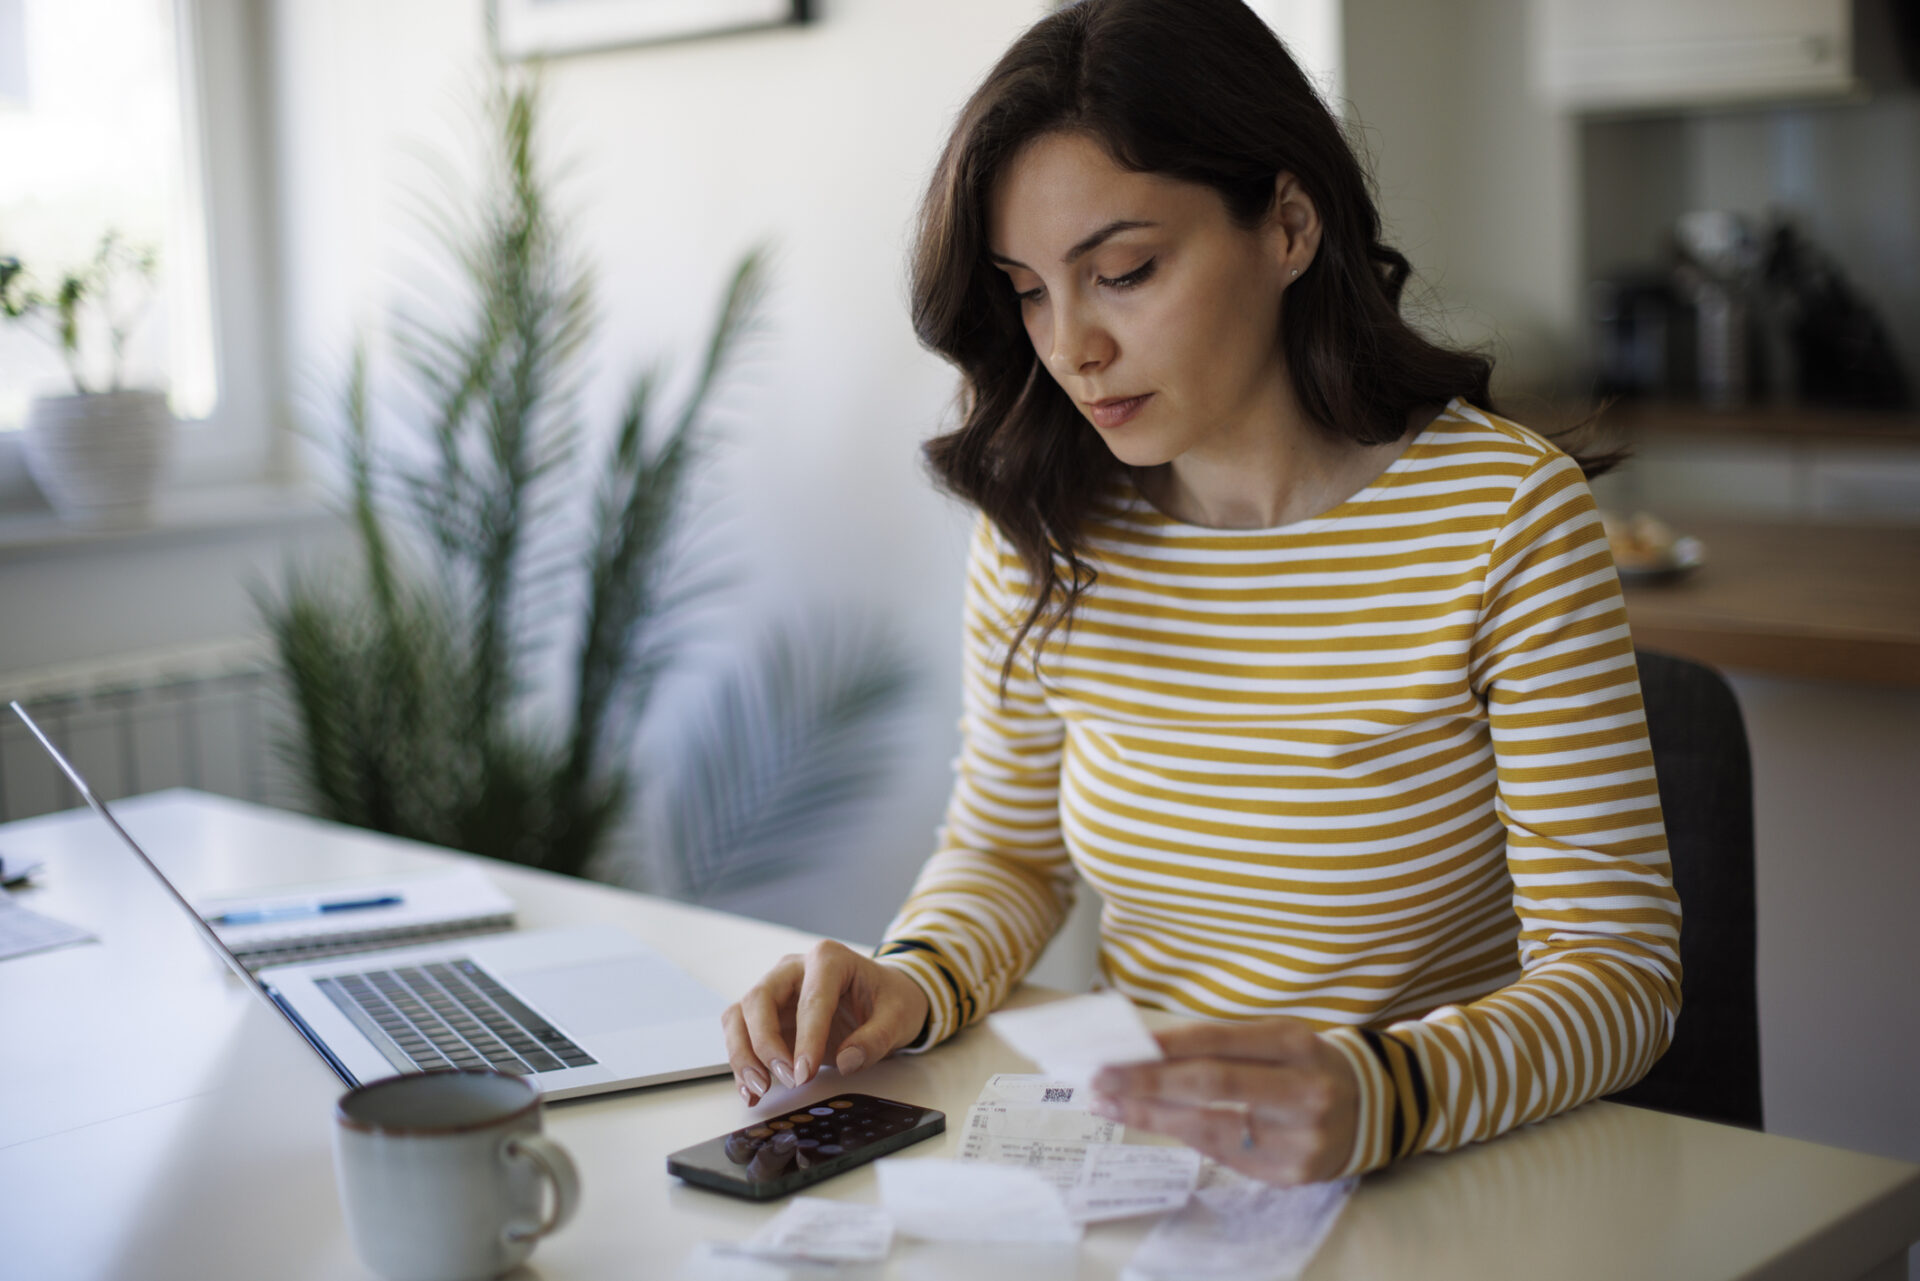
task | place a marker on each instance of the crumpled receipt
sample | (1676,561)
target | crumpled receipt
(1239,1229)
(823,1231)
(1071,1040)
(940,1200)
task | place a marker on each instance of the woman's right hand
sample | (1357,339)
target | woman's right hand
(831,1004)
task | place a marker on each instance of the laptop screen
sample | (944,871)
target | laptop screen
(100,808)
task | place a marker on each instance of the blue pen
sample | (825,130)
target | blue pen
(297,910)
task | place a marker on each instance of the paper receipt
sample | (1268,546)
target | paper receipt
(971,1201)
(1032,1122)
(1240,1230)
(825,1231)
(1122,1180)
(1072,1040)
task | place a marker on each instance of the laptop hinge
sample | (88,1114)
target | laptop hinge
(319,1046)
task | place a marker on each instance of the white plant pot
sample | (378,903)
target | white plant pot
(98,457)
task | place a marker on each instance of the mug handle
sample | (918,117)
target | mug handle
(552,1160)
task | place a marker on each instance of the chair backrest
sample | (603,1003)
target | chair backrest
(1712,1069)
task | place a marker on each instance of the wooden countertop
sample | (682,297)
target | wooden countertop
(1633,421)
(1648,419)
(1818,602)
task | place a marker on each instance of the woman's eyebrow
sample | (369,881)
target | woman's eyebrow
(1091,243)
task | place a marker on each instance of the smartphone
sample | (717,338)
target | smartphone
(785,1153)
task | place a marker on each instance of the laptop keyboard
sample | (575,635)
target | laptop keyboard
(448,1015)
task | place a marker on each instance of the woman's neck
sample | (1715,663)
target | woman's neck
(1273,478)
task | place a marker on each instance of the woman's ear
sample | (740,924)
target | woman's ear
(1293,225)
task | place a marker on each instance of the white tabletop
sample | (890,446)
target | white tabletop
(157,1122)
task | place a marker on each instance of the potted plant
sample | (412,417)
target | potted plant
(96,453)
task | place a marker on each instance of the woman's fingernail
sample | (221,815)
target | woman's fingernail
(756,1081)
(851,1059)
(747,1094)
(802,1071)
(782,1073)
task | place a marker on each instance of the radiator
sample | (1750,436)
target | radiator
(202,717)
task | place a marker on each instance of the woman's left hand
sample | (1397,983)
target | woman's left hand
(1266,1097)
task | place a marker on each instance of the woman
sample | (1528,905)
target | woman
(1313,666)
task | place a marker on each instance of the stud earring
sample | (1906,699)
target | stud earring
(1294,272)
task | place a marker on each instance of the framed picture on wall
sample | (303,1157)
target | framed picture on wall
(533,28)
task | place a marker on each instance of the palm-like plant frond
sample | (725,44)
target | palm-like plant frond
(406,682)
(786,742)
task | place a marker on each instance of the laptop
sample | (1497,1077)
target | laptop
(576,1011)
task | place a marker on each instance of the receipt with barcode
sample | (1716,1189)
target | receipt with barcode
(1031,1122)
(1032,1087)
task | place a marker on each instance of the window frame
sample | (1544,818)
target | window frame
(225,122)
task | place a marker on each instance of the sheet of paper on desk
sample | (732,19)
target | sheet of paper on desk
(940,1200)
(1073,1039)
(823,1231)
(23,930)
(1240,1230)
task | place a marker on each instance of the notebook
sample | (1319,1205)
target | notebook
(309,922)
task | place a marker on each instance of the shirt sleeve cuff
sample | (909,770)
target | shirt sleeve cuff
(1373,1126)
(921,964)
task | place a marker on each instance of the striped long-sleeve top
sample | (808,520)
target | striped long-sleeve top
(1385,770)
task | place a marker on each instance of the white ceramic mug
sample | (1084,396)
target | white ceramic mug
(440,1175)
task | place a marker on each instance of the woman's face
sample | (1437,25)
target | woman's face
(1150,307)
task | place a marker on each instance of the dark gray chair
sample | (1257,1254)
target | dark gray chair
(1712,1069)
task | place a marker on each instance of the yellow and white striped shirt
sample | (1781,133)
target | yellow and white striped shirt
(1385,770)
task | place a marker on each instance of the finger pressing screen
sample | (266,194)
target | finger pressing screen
(821,991)
(761,1011)
(748,1070)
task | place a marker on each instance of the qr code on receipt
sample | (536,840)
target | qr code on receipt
(1057,1094)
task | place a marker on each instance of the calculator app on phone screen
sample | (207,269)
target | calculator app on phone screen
(780,1154)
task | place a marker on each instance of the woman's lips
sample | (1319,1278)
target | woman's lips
(1108,414)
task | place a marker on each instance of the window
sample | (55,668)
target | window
(94,144)
(138,117)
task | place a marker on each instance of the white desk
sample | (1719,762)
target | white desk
(157,1122)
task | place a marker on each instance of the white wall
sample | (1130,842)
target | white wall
(186,585)
(1477,180)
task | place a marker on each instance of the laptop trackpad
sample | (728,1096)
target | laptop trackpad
(608,996)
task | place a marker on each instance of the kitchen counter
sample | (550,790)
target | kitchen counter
(1816,602)
(1640,421)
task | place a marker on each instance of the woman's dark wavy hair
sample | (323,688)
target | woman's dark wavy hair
(1199,90)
